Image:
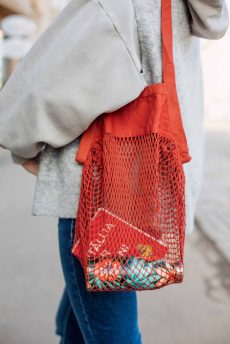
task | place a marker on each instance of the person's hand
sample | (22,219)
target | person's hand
(32,165)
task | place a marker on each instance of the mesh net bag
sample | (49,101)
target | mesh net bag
(130,223)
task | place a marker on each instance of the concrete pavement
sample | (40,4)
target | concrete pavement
(196,311)
(213,208)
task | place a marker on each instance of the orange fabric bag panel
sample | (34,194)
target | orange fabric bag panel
(130,223)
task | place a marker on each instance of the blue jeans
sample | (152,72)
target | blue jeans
(91,317)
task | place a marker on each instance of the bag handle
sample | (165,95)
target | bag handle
(169,79)
(168,74)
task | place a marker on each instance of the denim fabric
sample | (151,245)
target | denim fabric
(92,317)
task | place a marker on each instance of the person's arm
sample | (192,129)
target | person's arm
(209,18)
(79,68)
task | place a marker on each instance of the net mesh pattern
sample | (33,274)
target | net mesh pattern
(131,215)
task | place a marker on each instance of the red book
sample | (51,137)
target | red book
(111,236)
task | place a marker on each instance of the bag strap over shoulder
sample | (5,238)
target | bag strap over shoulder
(169,79)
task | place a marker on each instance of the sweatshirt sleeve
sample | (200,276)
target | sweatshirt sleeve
(209,18)
(18,160)
(78,68)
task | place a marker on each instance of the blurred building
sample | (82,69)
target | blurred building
(31,8)
(17,17)
(8,7)
(42,11)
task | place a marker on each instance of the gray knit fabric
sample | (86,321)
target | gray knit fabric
(58,182)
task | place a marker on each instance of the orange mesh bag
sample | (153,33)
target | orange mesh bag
(130,223)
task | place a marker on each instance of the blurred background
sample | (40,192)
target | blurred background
(197,311)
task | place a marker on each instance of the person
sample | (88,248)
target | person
(82,316)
